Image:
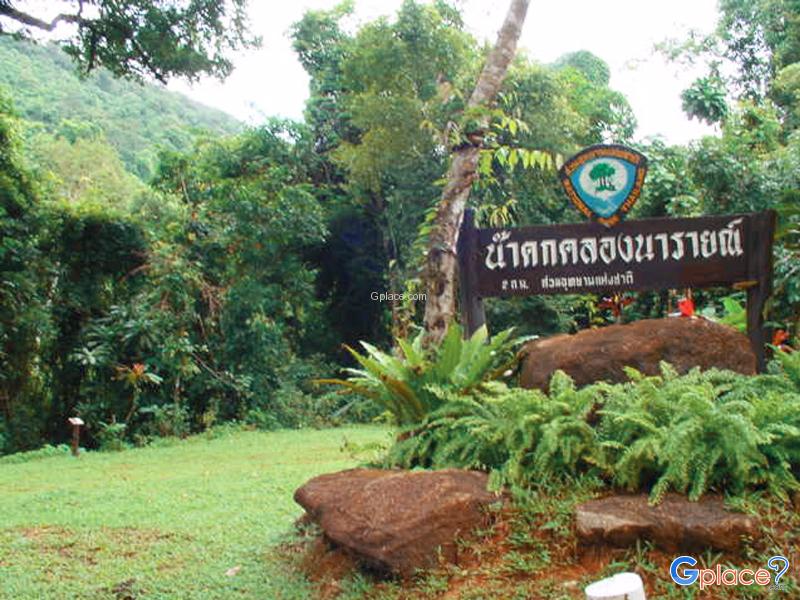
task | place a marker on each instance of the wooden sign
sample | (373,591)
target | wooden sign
(648,254)
(76,423)
(604,181)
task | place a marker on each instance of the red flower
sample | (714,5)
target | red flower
(779,339)
(686,306)
(615,304)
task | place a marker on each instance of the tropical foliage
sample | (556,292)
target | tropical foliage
(410,386)
(158,39)
(162,269)
(135,120)
(694,433)
(167,310)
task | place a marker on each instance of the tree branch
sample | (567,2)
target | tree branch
(26,19)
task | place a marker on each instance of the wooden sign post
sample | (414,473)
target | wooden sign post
(76,423)
(647,254)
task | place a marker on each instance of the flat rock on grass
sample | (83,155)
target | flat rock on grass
(675,524)
(397,521)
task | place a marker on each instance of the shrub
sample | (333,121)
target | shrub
(111,436)
(168,420)
(712,430)
(412,385)
(700,431)
(518,435)
(293,408)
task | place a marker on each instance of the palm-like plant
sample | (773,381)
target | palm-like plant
(404,385)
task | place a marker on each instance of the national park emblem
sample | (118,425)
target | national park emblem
(604,181)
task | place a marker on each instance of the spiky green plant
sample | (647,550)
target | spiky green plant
(692,433)
(404,384)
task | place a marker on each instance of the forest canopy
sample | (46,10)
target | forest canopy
(156,39)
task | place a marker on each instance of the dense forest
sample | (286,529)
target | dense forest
(163,271)
(135,120)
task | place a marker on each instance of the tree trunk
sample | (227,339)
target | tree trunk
(441,264)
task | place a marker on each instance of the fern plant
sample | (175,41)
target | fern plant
(519,436)
(788,364)
(696,432)
(493,431)
(405,385)
(712,430)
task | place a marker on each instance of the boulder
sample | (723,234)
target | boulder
(397,521)
(675,524)
(600,354)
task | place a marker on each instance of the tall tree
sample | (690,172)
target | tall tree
(140,38)
(441,264)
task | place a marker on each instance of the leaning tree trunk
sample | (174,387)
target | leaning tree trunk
(441,264)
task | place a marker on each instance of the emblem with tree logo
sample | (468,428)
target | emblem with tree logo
(604,181)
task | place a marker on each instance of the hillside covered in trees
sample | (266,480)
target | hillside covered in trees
(135,119)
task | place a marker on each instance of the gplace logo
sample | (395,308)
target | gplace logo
(726,576)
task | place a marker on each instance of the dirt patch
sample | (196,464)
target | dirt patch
(327,567)
(89,546)
(125,590)
(536,555)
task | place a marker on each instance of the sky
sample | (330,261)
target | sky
(270,81)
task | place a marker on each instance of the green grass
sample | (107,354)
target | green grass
(164,522)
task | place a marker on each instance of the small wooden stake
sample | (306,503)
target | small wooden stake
(76,423)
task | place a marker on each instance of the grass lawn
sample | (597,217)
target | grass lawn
(195,519)
(204,518)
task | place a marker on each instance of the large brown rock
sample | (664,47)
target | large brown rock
(600,354)
(397,521)
(675,524)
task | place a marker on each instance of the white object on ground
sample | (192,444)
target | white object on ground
(622,586)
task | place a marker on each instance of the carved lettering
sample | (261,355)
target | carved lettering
(568,249)
(530,254)
(694,237)
(588,251)
(663,239)
(549,255)
(644,248)
(495,257)
(730,239)
(608,249)
(514,246)
(708,244)
(625,248)
(677,237)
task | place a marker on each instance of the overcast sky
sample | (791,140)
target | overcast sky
(270,81)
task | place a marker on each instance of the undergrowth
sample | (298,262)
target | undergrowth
(702,431)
